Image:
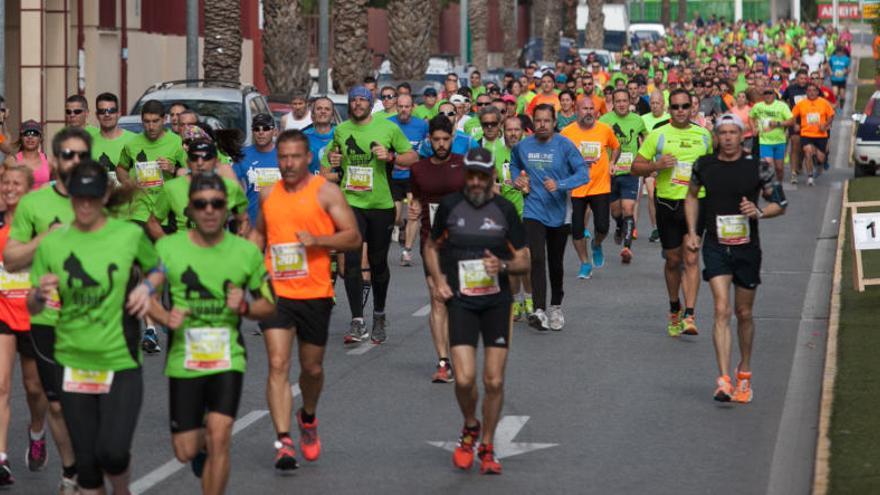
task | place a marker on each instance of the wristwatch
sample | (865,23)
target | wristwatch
(503,267)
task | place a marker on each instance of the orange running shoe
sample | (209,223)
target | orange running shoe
(690,325)
(463,456)
(488,463)
(309,441)
(743,392)
(626,255)
(725,390)
(443,373)
(285,457)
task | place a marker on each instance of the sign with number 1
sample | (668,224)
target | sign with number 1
(866,231)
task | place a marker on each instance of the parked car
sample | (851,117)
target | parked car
(605,57)
(534,50)
(133,123)
(645,31)
(231,103)
(866,152)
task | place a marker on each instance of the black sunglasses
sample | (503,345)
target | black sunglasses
(388,97)
(68,154)
(106,111)
(263,128)
(73,111)
(489,124)
(202,204)
(482,103)
(685,106)
(448,114)
(31,133)
(198,155)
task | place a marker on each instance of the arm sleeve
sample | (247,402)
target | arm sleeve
(325,160)
(414,184)
(258,274)
(697,173)
(237,200)
(578,169)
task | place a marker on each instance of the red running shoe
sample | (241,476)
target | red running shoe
(488,463)
(309,441)
(463,456)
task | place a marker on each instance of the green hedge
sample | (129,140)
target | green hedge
(752,10)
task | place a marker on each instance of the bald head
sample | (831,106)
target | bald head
(657,103)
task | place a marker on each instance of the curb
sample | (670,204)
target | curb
(823,445)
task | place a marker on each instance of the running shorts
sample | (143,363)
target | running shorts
(821,144)
(773,151)
(23,342)
(671,222)
(43,338)
(192,398)
(624,187)
(309,317)
(466,325)
(742,262)
(399,189)
(600,204)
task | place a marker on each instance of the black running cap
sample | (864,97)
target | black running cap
(87,180)
(479,160)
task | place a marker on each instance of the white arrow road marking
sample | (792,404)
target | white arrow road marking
(423,311)
(507,430)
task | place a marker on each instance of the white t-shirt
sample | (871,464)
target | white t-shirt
(292,123)
(460,125)
(813,61)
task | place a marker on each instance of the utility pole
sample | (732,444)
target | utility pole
(192,39)
(738,10)
(796,10)
(323,46)
(835,5)
(463,32)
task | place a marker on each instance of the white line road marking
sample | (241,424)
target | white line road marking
(508,428)
(165,471)
(423,311)
(362,348)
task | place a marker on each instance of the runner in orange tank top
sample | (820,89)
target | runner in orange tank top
(301,219)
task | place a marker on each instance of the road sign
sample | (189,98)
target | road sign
(865,236)
(866,231)
(870,9)
(507,429)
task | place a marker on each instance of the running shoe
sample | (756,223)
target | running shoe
(6,478)
(357,332)
(724,391)
(406,257)
(743,390)
(538,320)
(197,464)
(556,320)
(598,256)
(309,441)
(690,325)
(675,326)
(463,455)
(626,255)
(655,236)
(586,271)
(810,182)
(285,455)
(488,462)
(443,373)
(37,454)
(517,311)
(379,334)
(826,165)
(150,342)
(529,306)
(68,486)
(635,233)
(618,236)
(794,179)
(587,234)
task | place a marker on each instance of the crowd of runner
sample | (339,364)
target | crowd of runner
(115,237)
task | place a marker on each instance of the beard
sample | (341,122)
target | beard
(477,196)
(441,154)
(64,175)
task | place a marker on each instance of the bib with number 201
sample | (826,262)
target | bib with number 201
(289,261)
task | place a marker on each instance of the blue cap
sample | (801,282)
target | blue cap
(360,92)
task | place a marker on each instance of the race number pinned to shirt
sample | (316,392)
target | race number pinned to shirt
(591,150)
(432,212)
(732,230)
(87,381)
(624,162)
(359,179)
(266,177)
(765,124)
(474,281)
(148,174)
(505,173)
(289,261)
(813,118)
(54,300)
(207,349)
(14,285)
(681,173)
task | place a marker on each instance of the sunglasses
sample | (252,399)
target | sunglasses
(448,114)
(106,111)
(73,111)
(263,128)
(685,106)
(194,157)
(202,204)
(31,133)
(489,124)
(482,103)
(388,97)
(68,154)
(451,79)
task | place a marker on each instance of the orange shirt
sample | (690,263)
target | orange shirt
(541,99)
(297,272)
(876,46)
(595,146)
(812,114)
(14,289)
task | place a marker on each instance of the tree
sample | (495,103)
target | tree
(351,58)
(408,38)
(682,13)
(551,27)
(511,40)
(286,63)
(569,20)
(595,32)
(478,19)
(666,13)
(222,56)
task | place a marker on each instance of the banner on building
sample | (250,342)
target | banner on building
(870,9)
(845,10)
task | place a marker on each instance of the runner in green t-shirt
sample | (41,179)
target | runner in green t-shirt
(89,265)
(629,129)
(429,107)
(671,151)
(174,200)
(207,359)
(771,117)
(38,213)
(366,149)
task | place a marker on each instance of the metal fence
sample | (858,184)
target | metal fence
(649,10)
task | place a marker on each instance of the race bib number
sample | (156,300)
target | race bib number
(681,174)
(432,212)
(732,230)
(266,177)
(474,281)
(839,74)
(591,150)
(54,300)
(14,285)
(765,124)
(359,179)
(289,261)
(505,173)
(87,381)
(148,174)
(207,349)
(624,162)
(813,118)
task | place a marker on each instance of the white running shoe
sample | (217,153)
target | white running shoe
(557,321)
(538,320)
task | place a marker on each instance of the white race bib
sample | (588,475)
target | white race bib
(474,281)
(266,177)
(432,212)
(681,174)
(359,179)
(591,150)
(14,285)
(624,162)
(732,230)
(148,174)
(207,349)
(87,381)
(813,118)
(289,261)
(505,173)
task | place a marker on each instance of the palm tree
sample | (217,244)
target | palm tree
(551,27)
(511,40)
(569,20)
(682,12)
(222,55)
(595,31)
(408,37)
(286,63)
(351,58)
(478,19)
(665,13)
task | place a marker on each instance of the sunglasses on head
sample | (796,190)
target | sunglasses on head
(31,133)
(685,106)
(202,204)
(73,111)
(263,128)
(107,111)
(68,154)
(198,155)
